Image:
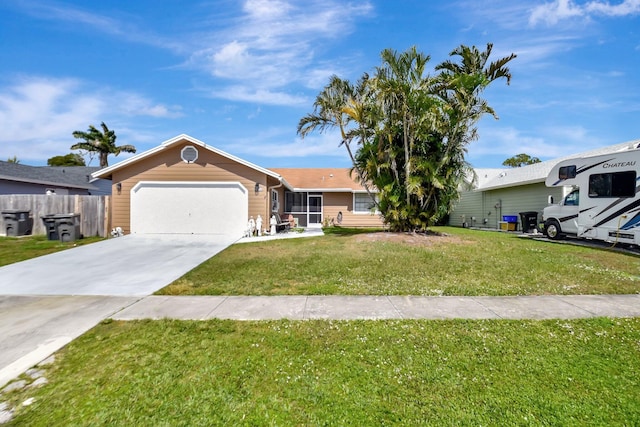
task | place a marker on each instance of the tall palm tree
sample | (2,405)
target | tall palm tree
(101,142)
(338,105)
(460,85)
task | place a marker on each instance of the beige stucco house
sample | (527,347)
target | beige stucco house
(186,186)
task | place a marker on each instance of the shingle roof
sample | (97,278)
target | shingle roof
(319,179)
(69,177)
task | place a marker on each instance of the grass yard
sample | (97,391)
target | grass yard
(463,262)
(578,372)
(15,249)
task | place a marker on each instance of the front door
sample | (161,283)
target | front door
(314,213)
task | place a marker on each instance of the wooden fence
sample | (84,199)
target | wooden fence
(93,210)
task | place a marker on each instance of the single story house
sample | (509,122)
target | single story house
(16,178)
(186,186)
(510,191)
(327,196)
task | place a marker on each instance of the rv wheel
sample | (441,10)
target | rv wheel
(552,228)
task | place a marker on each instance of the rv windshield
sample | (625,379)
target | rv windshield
(573,198)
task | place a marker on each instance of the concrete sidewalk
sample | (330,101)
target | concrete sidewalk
(380,307)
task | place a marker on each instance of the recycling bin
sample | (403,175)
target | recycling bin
(529,221)
(17,222)
(509,222)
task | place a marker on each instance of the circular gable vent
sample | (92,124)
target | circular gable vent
(189,154)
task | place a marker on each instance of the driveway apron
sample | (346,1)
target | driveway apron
(132,265)
(47,302)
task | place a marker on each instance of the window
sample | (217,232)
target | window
(362,203)
(275,206)
(189,154)
(295,202)
(573,198)
(567,172)
(616,184)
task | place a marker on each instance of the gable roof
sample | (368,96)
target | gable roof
(491,179)
(63,177)
(107,172)
(320,179)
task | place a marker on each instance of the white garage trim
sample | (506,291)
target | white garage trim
(189,207)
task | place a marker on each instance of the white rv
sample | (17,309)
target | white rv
(603,200)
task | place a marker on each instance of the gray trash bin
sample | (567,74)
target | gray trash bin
(68,227)
(50,226)
(63,227)
(17,222)
(529,221)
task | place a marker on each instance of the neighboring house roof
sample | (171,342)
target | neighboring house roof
(322,179)
(62,177)
(490,179)
(107,172)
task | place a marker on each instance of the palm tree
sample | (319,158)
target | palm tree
(101,142)
(338,105)
(411,128)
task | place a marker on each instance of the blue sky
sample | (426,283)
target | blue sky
(239,75)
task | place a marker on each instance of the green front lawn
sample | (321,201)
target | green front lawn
(502,373)
(464,262)
(15,249)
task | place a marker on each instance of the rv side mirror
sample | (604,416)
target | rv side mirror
(550,200)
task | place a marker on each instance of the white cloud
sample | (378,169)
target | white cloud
(137,105)
(260,96)
(560,10)
(272,145)
(41,113)
(271,47)
(101,23)
(627,7)
(551,13)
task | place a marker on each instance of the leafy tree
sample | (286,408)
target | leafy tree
(520,160)
(71,159)
(412,128)
(101,142)
(13,159)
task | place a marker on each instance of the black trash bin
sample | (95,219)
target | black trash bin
(529,221)
(17,222)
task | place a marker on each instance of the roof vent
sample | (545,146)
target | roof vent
(189,154)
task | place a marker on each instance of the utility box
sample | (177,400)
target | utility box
(17,222)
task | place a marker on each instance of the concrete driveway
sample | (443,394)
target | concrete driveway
(47,302)
(132,265)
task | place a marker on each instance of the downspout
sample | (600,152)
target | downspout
(269,213)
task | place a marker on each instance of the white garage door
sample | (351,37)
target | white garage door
(189,208)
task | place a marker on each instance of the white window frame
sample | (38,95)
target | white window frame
(189,147)
(369,211)
(275,203)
